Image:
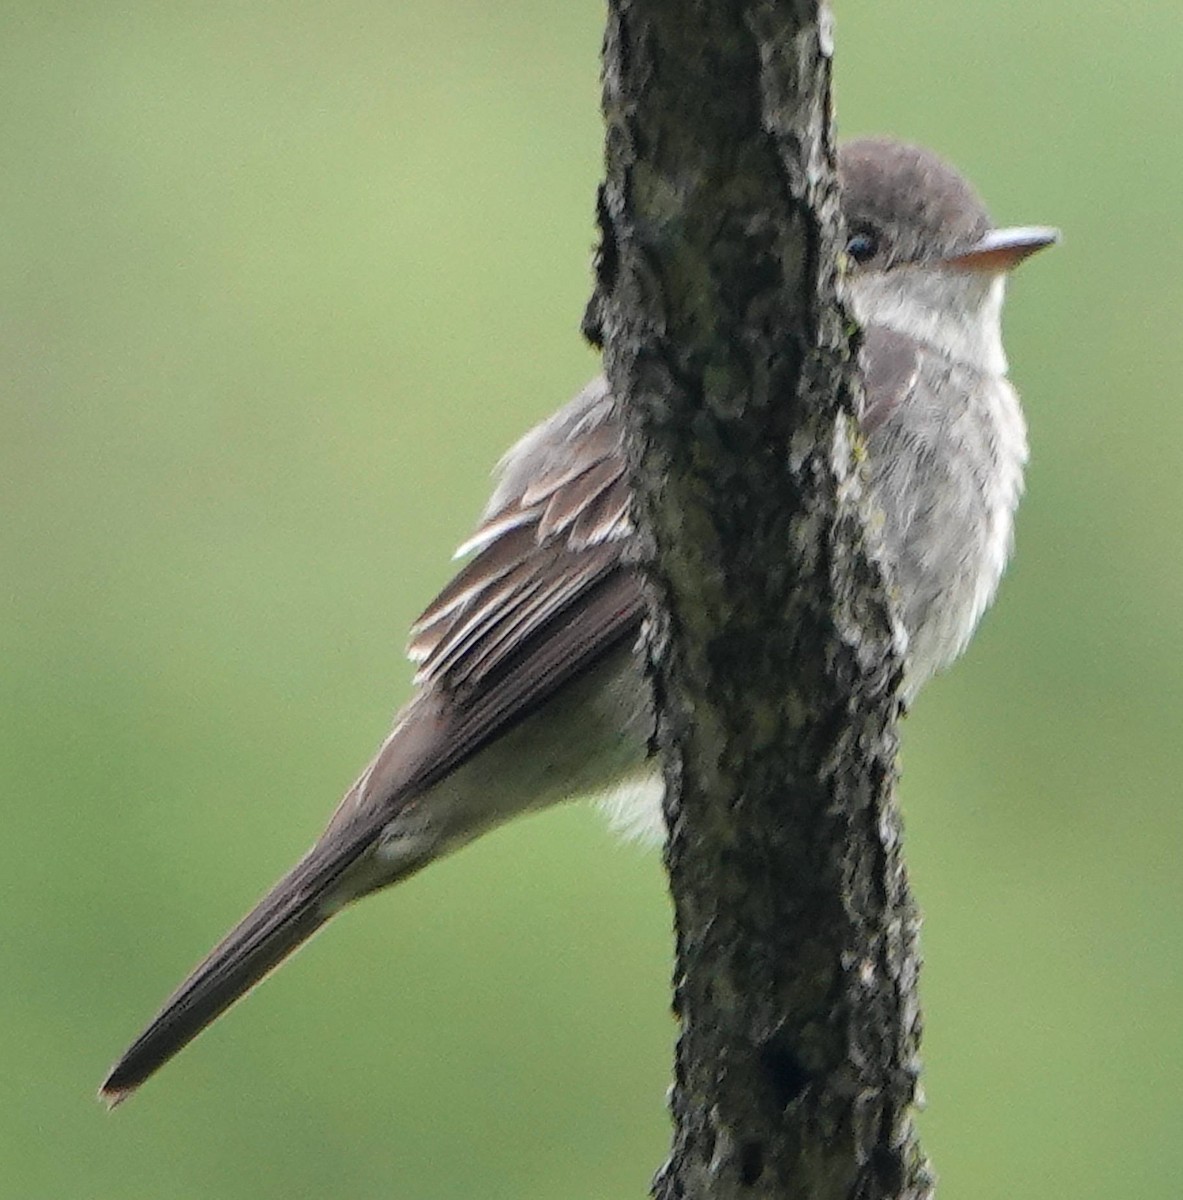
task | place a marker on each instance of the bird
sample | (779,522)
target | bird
(529,689)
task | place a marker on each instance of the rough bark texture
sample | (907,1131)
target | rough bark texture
(772,645)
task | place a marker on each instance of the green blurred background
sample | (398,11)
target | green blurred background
(278,283)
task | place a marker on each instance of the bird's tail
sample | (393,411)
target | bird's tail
(295,908)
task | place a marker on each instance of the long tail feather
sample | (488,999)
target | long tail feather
(295,908)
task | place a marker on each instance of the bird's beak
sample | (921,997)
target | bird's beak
(1003,249)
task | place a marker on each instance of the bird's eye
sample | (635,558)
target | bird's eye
(862,246)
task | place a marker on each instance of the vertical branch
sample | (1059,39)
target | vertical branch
(772,645)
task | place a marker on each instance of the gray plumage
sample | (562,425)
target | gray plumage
(528,687)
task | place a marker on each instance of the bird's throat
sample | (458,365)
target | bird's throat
(958,313)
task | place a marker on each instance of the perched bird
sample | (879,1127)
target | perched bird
(529,689)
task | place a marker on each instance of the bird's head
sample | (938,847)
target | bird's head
(924,256)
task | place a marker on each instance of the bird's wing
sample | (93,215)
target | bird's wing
(547,593)
(544,544)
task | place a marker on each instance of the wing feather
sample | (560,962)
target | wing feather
(556,528)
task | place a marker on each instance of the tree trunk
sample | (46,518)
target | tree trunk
(772,645)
